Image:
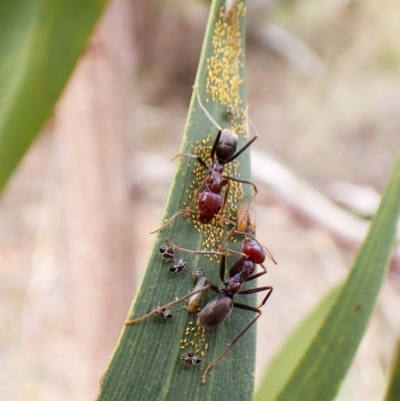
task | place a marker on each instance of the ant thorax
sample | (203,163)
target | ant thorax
(216,181)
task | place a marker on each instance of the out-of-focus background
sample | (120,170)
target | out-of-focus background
(323,87)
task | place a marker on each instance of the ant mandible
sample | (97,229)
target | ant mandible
(219,308)
(211,203)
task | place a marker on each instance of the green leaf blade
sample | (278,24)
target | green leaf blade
(393,390)
(319,374)
(41,42)
(284,363)
(146,363)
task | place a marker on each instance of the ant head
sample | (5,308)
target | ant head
(253,250)
(227,145)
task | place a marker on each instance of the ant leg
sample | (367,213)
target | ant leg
(215,144)
(255,290)
(210,118)
(238,265)
(232,252)
(258,274)
(154,311)
(228,185)
(208,115)
(219,217)
(169,221)
(240,306)
(201,187)
(222,268)
(243,182)
(198,158)
(204,165)
(172,245)
(193,303)
(240,151)
(232,232)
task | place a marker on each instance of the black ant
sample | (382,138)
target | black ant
(219,308)
(211,203)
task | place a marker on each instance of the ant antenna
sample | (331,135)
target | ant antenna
(216,125)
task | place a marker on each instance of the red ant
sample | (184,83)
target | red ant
(211,202)
(219,308)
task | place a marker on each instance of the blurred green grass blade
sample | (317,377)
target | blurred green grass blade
(40,43)
(145,364)
(320,372)
(283,364)
(393,390)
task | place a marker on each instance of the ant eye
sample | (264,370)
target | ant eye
(202,201)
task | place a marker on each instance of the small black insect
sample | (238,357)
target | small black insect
(177,266)
(167,253)
(190,358)
(163,313)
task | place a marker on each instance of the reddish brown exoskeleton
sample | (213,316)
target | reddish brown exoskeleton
(211,202)
(220,308)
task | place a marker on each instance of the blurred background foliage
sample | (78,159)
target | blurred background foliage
(323,83)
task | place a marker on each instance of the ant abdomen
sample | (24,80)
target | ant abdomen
(227,145)
(215,312)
